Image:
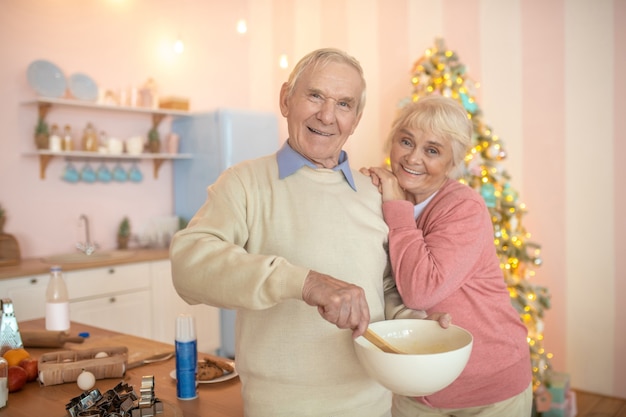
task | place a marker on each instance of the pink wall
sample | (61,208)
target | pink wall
(619,110)
(123,42)
(392,49)
(543,165)
(461,30)
(119,44)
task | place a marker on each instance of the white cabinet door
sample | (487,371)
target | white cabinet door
(115,298)
(110,280)
(28,295)
(129,313)
(167,305)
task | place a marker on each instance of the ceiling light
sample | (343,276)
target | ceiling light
(242,26)
(179,46)
(284,62)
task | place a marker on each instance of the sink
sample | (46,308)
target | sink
(80,257)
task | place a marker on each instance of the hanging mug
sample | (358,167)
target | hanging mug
(71,174)
(87,174)
(104,174)
(134,174)
(119,174)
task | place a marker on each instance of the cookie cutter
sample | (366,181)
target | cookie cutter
(120,401)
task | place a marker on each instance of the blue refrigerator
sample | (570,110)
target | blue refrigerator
(217,140)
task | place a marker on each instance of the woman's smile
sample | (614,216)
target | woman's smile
(410,171)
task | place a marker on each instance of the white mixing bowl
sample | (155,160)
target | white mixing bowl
(435,356)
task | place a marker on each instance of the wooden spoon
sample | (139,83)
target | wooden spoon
(379,342)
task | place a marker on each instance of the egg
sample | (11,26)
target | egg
(101,355)
(86,380)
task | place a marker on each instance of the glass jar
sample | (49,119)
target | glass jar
(90,139)
(67,143)
(4,387)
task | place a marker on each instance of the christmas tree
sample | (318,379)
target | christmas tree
(439,71)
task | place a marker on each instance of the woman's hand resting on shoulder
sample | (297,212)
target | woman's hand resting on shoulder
(386,182)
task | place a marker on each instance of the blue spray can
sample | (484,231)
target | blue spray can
(186,357)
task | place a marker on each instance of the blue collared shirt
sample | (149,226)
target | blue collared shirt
(289,161)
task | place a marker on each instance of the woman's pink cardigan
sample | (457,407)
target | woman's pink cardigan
(447,262)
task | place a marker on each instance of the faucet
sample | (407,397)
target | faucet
(87,246)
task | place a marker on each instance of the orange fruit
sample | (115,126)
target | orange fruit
(15,356)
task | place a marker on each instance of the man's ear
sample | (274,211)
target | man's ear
(283,100)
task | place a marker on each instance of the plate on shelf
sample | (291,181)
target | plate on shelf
(82,87)
(225,377)
(46,78)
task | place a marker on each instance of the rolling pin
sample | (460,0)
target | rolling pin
(47,339)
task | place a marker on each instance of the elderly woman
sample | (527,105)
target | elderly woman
(444,259)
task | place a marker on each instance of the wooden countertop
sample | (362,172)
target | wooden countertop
(221,399)
(36,266)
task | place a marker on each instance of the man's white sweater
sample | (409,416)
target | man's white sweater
(250,248)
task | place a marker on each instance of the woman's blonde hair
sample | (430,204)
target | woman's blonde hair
(322,57)
(442,116)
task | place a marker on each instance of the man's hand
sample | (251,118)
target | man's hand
(338,302)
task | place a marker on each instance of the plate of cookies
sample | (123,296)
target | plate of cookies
(213,370)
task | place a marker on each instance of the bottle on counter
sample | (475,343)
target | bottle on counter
(186,357)
(57,302)
(4,381)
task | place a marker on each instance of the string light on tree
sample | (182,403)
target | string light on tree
(439,71)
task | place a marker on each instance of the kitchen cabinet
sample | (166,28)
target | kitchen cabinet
(115,298)
(126,313)
(44,105)
(134,298)
(110,280)
(28,295)
(167,305)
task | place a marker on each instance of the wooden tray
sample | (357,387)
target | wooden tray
(65,365)
(139,348)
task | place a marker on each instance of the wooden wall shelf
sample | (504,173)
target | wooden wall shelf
(158,158)
(45,104)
